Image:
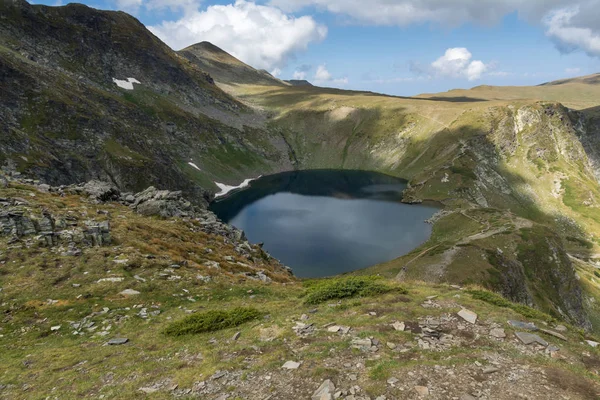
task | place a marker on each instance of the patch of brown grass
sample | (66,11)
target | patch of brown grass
(571,382)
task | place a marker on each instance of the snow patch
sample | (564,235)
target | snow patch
(194,165)
(128,84)
(226,188)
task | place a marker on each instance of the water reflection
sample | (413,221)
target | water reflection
(323,223)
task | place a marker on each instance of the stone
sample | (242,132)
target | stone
(129,292)
(468,315)
(55,328)
(325,391)
(391,345)
(219,375)
(393,381)
(530,326)
(530,338)
(291,365)
(116,279)
(3,182)
(552,349)
(236,336)
(333,329)
(422,391)
(498,333)
(399,326)
(560,328)
(117,341)
(555,334)
(467,397)
(592,343)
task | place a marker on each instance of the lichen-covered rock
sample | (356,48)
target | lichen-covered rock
(97,233)
(101,191)
(162,202)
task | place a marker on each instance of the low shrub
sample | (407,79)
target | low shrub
(342,288)
(212,321)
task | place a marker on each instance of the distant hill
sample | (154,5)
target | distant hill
(225,68)
(299,82)
(593,79)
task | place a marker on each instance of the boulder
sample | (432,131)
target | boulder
(101,191)
(163,203)
(3,182)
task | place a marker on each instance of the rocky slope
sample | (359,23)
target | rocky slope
(93,94)
(225,68)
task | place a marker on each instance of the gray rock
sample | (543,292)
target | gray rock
(291,365)
(3,182)
(498,333)
(117,341)
(399,326)
(325,391)
(555,334)
(560,328)
(468,315)
(101,191)
(530,338)
(129,292)
(530,326)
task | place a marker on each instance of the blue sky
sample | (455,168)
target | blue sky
(400,47)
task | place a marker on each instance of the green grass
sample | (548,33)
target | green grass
(347,287)
(497,300)
(212,321)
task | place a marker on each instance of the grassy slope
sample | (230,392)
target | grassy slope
(463,150)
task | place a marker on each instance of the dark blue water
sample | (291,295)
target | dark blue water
(328,222)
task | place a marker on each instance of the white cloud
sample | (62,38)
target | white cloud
(572,24)
(456,63)
(261,36)
(323,76)
(573,71)
(173,5)
(129,5)
(562,28)
(299,75)
(276,72)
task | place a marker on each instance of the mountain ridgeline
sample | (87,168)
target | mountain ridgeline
(89,94)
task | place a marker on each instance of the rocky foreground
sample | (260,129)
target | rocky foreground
(95,282)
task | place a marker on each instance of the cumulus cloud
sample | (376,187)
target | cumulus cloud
(572,24)
(276,72)
(262,36)
(456,63)
(299,75)
(573,71)
(324,77)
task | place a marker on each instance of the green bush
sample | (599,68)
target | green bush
(497,300)
(342,288)
(211,321)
